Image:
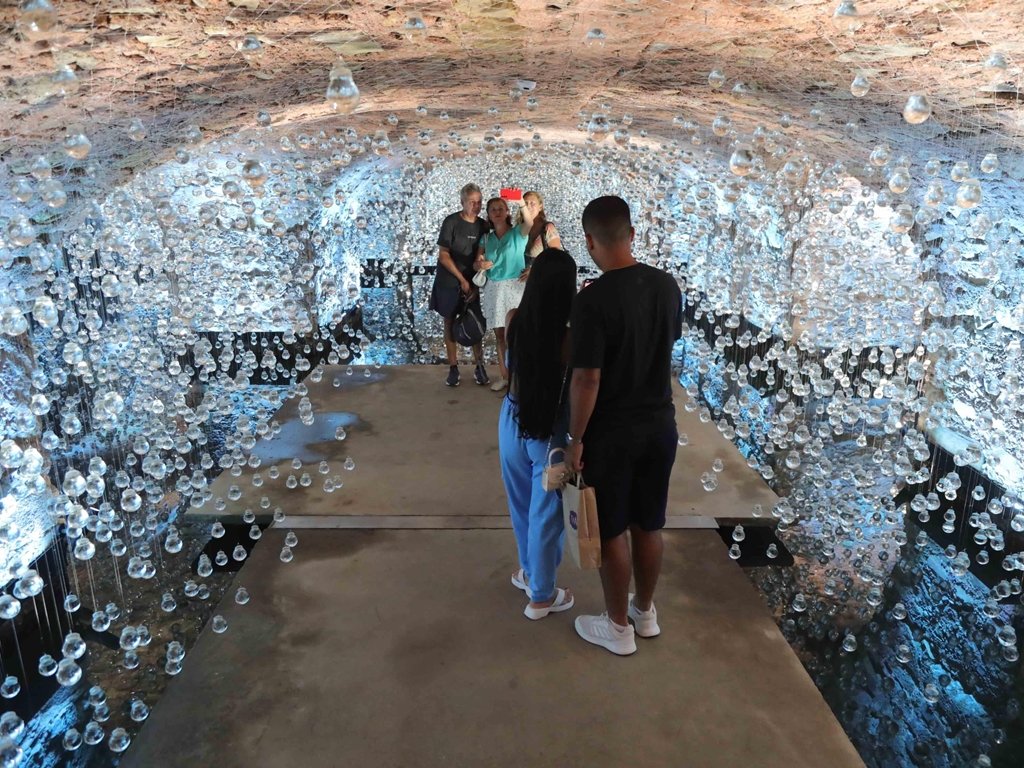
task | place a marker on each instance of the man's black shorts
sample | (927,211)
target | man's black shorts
(629,468)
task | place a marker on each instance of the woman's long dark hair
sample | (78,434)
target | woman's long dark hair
(535,339)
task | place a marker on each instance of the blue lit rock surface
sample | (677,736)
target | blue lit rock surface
(43,735)
(873,691)
(876,694)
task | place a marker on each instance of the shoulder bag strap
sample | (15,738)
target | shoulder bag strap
(543,241)
(558,408)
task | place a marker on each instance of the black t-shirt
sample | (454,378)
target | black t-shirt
(461,238)
(625,323)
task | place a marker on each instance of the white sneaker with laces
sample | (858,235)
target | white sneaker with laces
(499,385)
(646,622)
(600,630)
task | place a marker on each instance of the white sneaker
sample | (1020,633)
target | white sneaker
(499,385)
(600,630)
(646,622)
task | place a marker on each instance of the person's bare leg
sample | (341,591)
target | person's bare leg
(449,342)
(546,603)
(478,353)
(648,549)
(499,335)
(615,573)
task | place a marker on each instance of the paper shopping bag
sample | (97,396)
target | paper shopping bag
(582,534)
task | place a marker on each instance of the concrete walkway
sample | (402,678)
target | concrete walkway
(393,647)
(408,648)
(404,427)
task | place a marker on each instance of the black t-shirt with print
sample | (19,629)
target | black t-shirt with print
(461,238)
(625,323)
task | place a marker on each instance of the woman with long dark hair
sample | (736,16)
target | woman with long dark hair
(531,414)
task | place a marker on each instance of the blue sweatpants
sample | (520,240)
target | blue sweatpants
(536,513)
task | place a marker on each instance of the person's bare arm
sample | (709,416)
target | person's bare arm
(554,240)
(582,396)
(527,222)
(445,261)
(481,262)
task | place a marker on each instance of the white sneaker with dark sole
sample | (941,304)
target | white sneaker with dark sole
(600,630)
(646,622)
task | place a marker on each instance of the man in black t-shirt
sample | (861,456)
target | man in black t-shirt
(457,247)
(622,429)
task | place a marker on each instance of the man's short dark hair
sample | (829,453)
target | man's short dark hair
(607,219)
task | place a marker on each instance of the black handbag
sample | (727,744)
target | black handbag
(468,326)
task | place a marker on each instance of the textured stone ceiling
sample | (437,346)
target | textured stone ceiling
(177,62)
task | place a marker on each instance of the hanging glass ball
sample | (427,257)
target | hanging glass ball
(741,163)
(846,17)
(917,109)
(342,92)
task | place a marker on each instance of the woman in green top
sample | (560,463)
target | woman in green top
(501,254)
